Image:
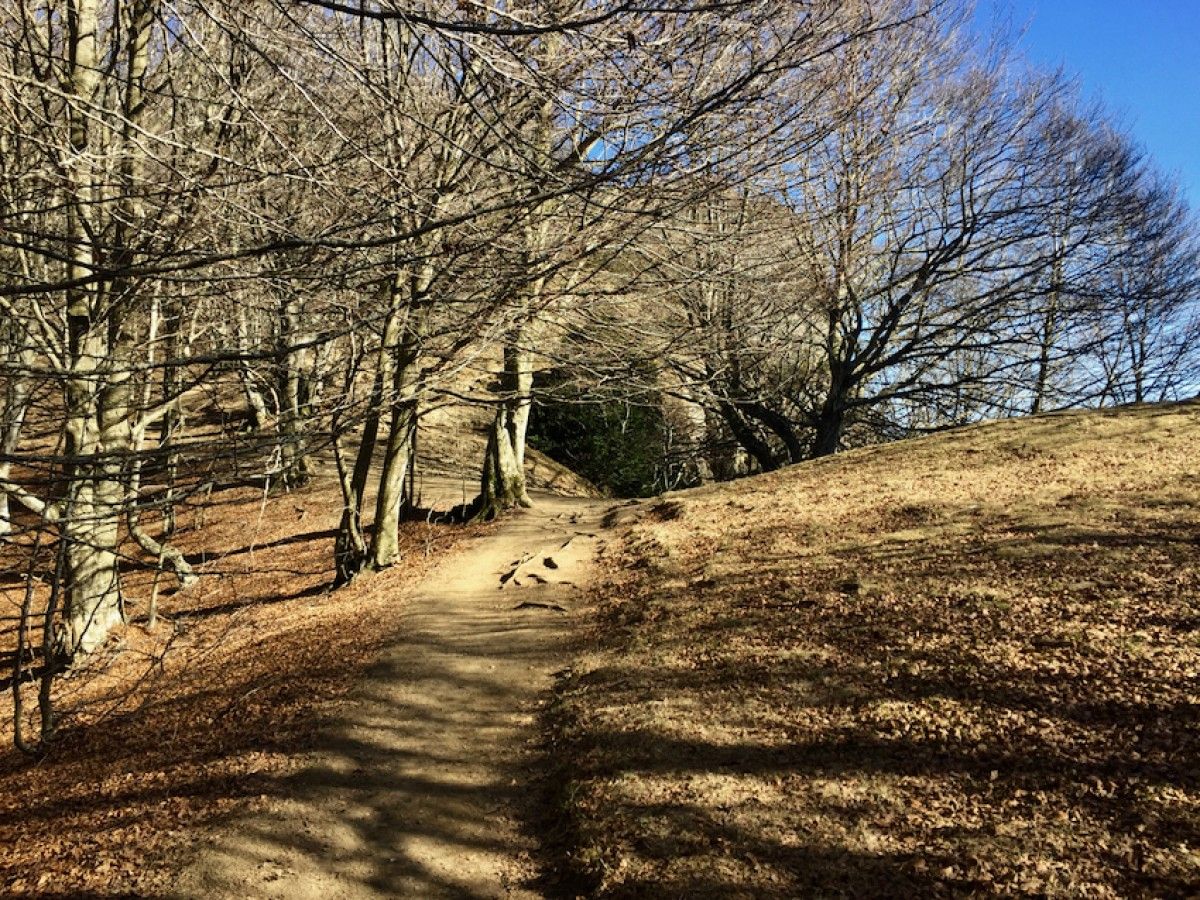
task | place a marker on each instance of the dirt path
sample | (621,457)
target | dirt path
(414,790)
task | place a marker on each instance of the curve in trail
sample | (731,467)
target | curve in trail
(414,790)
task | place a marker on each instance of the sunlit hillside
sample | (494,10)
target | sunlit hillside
(963,664)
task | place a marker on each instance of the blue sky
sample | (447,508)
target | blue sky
(1142,57)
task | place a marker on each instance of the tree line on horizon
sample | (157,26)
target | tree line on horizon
(785,227)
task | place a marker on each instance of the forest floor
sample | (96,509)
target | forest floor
(418,786)
(164,731)
(166,736)
(966,665)
(415,787)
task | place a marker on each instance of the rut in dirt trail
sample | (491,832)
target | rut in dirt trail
(416,788)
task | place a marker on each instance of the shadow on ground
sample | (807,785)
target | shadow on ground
(416,787)
(962,702)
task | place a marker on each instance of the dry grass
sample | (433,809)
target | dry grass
(165,731)
(964,665)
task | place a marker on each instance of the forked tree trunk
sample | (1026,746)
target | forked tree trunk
(350,544)
(92,591)
(502,486)
(402,369)
(100,346)
(828,436)
(747,437)
(830,421)
(396,366)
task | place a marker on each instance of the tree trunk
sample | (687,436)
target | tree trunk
(747,438)
(350,544)
(255,402)
(828,437)
(1049,334)
(92,604)
(403,340)
(294,468)
(163,552)
(397,459)
(92,588)
(502,486)
(518,371)
(172,425)
(780,426)
(16,402)
(384,548)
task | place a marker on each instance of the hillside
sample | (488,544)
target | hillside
(962,665)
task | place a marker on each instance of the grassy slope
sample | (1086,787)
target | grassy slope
(968,664)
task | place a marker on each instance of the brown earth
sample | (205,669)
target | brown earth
(166,733)
(416,788)
(967,665)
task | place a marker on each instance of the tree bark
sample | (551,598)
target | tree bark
(350,544)
(16,402)
(293,400)
(254,398)
(503,486)
(827,438)
(397,459)
(172,425)
(746,436)
(92,592)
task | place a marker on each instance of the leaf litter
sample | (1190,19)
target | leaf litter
(966,665)
(164,732)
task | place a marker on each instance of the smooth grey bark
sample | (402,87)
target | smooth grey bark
(502,485)
(92,605)
(100,330)
(293,390)
(402,369)
(16,403)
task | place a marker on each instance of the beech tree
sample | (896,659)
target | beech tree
(120,153)
(86,141)
(938,257)
(1146,329)
(794,220)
